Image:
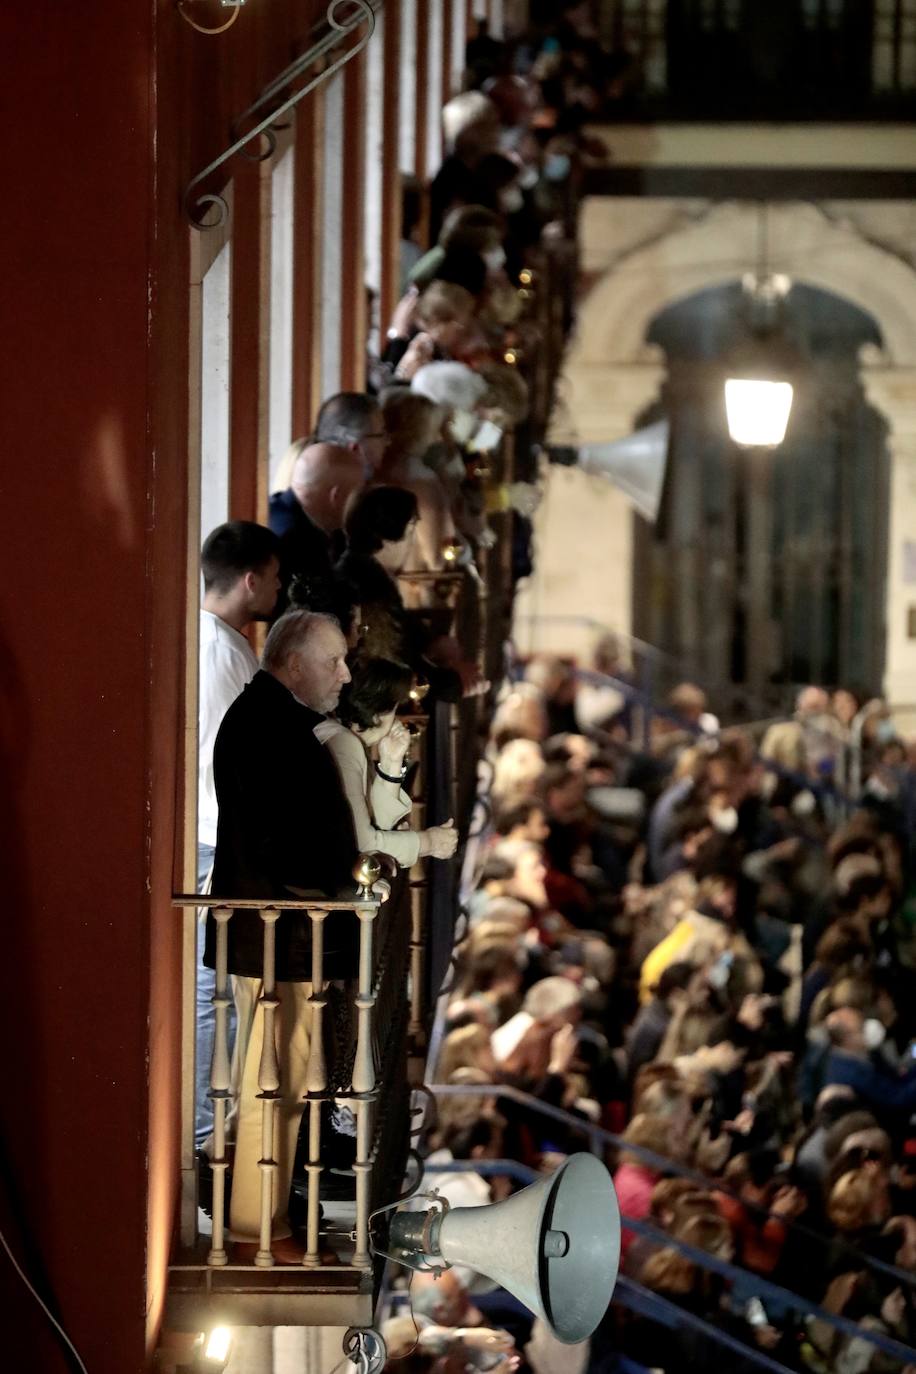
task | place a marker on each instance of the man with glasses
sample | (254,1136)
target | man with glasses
(354,421)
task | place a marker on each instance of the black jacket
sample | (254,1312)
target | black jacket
(283,821)
(305,550)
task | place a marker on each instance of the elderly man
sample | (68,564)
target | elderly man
(353,421)
(308,517)
(284,823)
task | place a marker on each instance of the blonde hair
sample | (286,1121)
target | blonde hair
(411,421)
(460,1050)
(852,1199)
(442,302)
(284,477)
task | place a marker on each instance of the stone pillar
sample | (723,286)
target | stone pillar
(893,392)
(583,531)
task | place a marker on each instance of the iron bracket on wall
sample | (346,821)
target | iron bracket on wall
(359,12)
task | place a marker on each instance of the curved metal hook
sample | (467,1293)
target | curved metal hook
(265,154)
(203,28)
(364,12)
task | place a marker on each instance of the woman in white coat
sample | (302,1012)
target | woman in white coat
(380,806)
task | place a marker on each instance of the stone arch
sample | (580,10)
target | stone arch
(641,256)
(819,245)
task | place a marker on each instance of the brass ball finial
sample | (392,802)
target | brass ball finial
(367,871)
(419,689)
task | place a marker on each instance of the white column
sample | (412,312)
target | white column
(214,393)
(893,392)
(407,134)
(497,19)
(280,395)
(375,134)
(332,231)
(434,96)
(459,43)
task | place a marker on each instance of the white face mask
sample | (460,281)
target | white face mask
(511,200)
(528,178)
(487,438)
(495,259)
(725,820)
(873,1032)
(463,425)
(803,803)
(556,166)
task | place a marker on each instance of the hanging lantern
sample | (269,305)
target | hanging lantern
(758,410)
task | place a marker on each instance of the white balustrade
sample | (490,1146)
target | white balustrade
(316,1081)
(268,1085)
(220,1086)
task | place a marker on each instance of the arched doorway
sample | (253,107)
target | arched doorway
(639,257)
(767,569)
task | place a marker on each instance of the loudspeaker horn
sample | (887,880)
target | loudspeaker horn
(555,1245)
(635,464)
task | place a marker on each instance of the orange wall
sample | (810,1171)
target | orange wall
(93,437)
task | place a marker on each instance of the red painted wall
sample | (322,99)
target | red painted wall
(108,110)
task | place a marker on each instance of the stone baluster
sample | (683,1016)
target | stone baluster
(362,1167)
(417,902)
(366,872)
(316,1081)
(363,1083)
(220,1086)
(269,1085)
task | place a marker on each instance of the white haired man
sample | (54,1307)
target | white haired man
(284,823)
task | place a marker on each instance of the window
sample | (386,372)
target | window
(214,392)
(280,393)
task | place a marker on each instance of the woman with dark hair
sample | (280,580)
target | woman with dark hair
(366,717)
(379,529)
(331,596)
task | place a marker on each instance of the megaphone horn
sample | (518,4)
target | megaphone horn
(555,1245)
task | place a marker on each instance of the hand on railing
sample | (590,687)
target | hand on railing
(439,841)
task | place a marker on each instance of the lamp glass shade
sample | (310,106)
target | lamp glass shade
(757,411)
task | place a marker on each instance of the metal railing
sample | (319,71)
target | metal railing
(373,1005)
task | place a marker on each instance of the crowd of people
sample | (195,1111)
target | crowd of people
(393,487)
(688,937)
(704,948)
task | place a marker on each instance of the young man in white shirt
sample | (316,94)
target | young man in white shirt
(240,563)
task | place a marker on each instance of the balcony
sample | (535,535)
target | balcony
(739,60)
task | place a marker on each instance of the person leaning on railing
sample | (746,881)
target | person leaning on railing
(284,824)
(366,719)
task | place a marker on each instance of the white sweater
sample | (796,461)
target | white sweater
(376,809)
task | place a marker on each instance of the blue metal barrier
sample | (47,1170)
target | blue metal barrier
(669,1312)
(599,1138)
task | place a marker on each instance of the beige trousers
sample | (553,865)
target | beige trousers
(293,1022)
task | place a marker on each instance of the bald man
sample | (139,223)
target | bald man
(308,516)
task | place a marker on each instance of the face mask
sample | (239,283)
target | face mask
(487,438)
(725,821)
(557,166)
(528,178)
(718,975)
(885,732)
(511,200)
(803,803)
(495,259)
(463,425)
(873,1032)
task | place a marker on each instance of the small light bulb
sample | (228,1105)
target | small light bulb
(218,1344)
(510,356)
